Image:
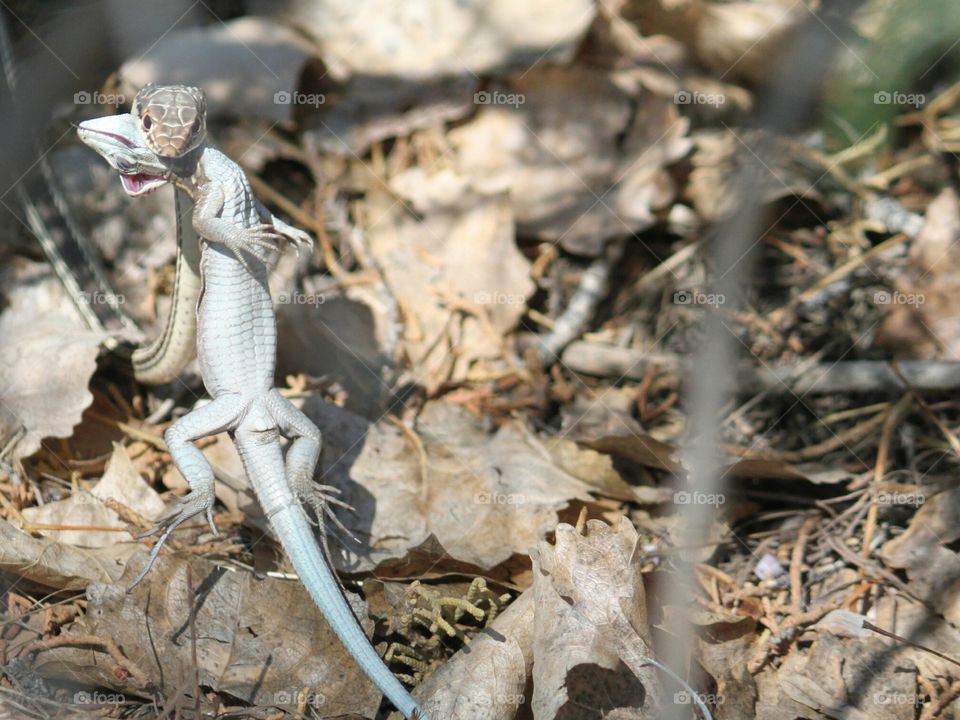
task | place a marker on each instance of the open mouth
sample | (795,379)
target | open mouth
(141,183)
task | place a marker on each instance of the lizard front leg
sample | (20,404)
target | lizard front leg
(221,414)
(237,238)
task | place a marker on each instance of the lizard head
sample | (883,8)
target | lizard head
(166,122)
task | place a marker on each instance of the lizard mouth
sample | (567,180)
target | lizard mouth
(141,183)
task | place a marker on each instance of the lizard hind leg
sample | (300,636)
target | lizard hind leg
(301,460)
(219,415)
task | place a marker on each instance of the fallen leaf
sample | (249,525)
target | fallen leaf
(484,497)
(46,363)
(120,482)
(932,567)
(445,308)
(592,641)
(921,319)
(258,639)
(487,680)
(579,164)
(56,565)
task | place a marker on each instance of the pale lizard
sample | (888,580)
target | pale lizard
(161,141)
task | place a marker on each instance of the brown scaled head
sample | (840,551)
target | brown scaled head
(172,118)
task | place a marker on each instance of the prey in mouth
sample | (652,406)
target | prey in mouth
(119,141)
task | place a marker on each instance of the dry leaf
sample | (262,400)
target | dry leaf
(488,680)
(849,678)
(591,641)
(933,568)
(484,497)
(120,482)
(56,565)
(717,158)
(561,153)
(739,39)
(46,363)
(922,319)
(423,260)
(260,640)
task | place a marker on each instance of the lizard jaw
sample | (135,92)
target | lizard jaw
(141,184)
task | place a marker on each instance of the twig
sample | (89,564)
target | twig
(593,287)
(796,562)
(890,425)
(854,376)
(107,643)
(918,646)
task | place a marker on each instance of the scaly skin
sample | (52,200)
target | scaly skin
(236,347)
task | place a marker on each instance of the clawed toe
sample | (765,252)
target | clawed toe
(319,498)
(189,506)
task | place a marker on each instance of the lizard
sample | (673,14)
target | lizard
(159,142)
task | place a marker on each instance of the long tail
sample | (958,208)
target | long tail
(263,461)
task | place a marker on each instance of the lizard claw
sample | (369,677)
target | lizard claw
(295,236)
(320,498)
(190,505)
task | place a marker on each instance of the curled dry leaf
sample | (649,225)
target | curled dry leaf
(715,170)
(452,318)
(591,642)
(53,564)
(374,109)
(487,681)
(579,163)
(839,678)
(43,399)
(920,625)
(120,482)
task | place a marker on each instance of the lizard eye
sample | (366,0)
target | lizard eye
(147,122)
(125,166)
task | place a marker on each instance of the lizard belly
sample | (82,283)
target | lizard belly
(236,329)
